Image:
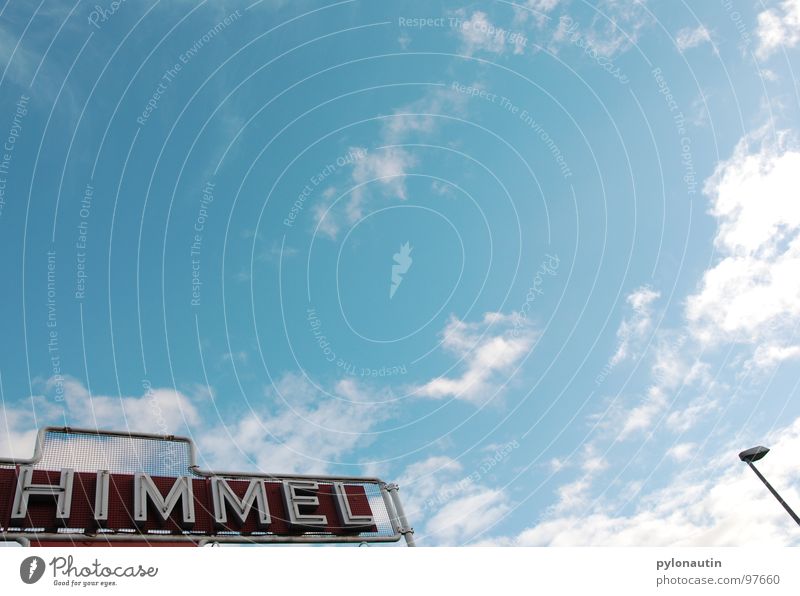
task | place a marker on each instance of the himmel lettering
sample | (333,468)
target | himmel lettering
(56,505)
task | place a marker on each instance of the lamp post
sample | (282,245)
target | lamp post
(754,454)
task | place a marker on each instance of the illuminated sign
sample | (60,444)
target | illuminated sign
(66,493)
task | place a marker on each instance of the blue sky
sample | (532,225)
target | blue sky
(535,261)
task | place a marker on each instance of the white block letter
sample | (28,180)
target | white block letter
(294,501)
(26,488)
(144,489)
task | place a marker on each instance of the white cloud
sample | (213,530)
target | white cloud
(636,327)
(17,433)
(382,172)
(572,496)
(306,431)
(489,350)
(326,220)
(720,503)
(536,10)
(682,451)
(423,115)
(478,33)
(681,420)
(158,410)
(769,75)
(752,198)
(617,26)
(594,465)
(778,28)
(240,356)
(675,369)
(385,169)
(22,57)
(613,29)
(642,416)
(449,505)
(388,167)
(767,356)
(750,295)
(543,5)
(21,62)
(465,516)
(276,253)
(576,494)
(688,38)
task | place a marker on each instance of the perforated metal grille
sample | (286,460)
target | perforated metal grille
(119,454)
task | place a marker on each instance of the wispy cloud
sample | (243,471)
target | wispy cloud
(682,451)
(702,506)
(382,171)
(689,37)
(488,351)
(617,25)
(451,505)
(534,10)
(637,325)
(676,369)
(302,429)
(478,34)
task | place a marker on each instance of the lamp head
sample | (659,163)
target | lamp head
(753,454)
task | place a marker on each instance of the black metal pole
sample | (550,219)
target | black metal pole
(775,494)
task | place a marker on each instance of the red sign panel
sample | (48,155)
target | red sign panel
(42,510)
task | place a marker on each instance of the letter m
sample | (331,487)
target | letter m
(223,495)
(145,490)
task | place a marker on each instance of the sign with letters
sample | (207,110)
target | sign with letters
(42,504)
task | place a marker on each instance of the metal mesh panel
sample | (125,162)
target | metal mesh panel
(118,454)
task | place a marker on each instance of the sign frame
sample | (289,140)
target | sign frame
(389,493)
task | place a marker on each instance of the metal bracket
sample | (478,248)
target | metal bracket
(403,527)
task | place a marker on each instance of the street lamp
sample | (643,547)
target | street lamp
(754,454)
